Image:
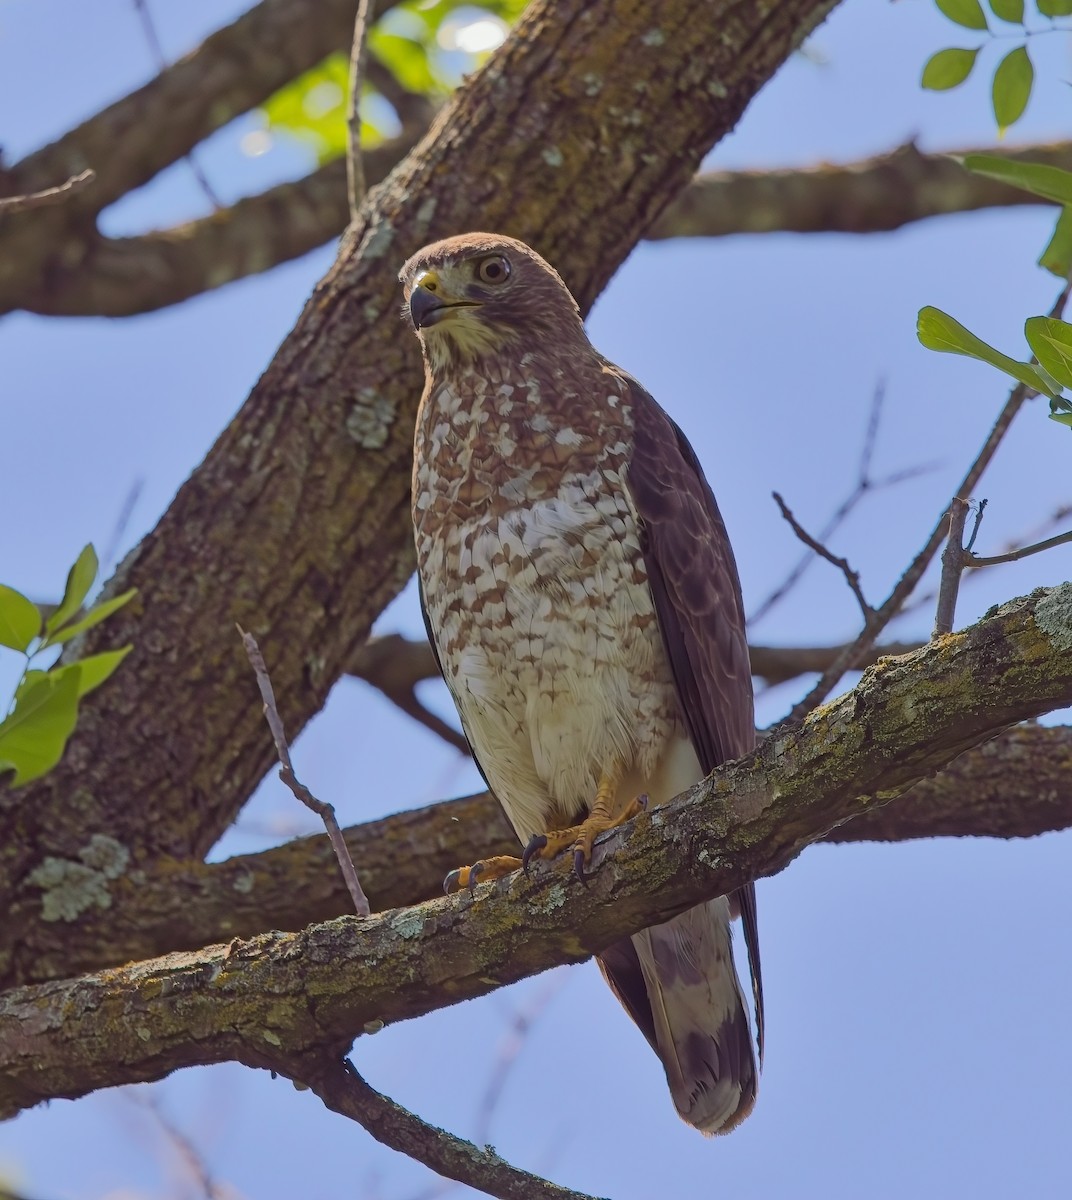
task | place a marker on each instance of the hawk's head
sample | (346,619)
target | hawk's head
(471,297)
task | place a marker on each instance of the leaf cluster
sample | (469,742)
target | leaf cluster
(1049,338)
(410,43)
(44,710)
(1014,76)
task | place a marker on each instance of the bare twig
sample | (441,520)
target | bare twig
(510,1046)
(979,507)
(355,168)
(952,568)
(337,1083)
(286,772)
(52,195)
(852,578)
(915,571)
(157,50)
(1023,552)
(865,484)
(185,1150)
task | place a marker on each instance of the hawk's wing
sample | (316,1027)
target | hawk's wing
(697,597)
(442,674)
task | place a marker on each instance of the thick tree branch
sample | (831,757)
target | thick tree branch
(297,524)
(128,143)
(119,277)
(279,995)
(1017,785)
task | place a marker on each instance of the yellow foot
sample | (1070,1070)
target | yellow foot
(579,838)
(480,872)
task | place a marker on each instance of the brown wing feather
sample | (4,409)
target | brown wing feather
(697,597)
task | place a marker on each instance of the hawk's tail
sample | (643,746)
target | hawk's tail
(678,982)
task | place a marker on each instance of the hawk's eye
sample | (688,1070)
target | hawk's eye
(493,270)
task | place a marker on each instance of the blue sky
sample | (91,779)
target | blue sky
(918,995)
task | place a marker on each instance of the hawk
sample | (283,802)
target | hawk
(582,599)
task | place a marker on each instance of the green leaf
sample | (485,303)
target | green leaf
(79,581)
(1055,8)
(948,68)
(938,331)
(1057,257)
(98,613)
(33,737)
(1051,183)
(1008,10)
(1012,87)
(20,622)
(968,13)
(1051,342)
(93,671)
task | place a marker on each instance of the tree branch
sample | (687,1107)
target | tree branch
(262,1002)
(872,195)
(342,1089)
(297,524)
(1017,785)
(129,142)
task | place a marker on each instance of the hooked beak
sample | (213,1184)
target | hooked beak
(428,304)
(425,308)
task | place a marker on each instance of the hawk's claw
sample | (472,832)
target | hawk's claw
(463,877)
(536,843)
(578,866)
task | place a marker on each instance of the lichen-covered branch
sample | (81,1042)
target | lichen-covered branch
(297,524)
(1017,785)
(279,995)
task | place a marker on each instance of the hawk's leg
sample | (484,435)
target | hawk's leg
(608,811)
(480,872)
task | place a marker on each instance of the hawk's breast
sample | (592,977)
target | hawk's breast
(537,595)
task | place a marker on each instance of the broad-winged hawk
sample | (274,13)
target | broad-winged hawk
(583,602)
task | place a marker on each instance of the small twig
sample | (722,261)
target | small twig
(979,507)
(184,1148)
(286,772)
(157,50)
(865,484)
(852,578)
(355,168)
(952,567)
(1015,555)
(510,1046)
(337,1083)
(52,195)
(915,571)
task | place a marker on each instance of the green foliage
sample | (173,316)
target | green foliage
(411,43)
(968,13)
(1057,257)
(44,710)
(1014,78)
(1050,341)
(1011,88)
(1008,10)
(939,331)
(948,68)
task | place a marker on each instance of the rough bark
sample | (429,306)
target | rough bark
(118,277)
(296,525)
(280,995)
(1018,785)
